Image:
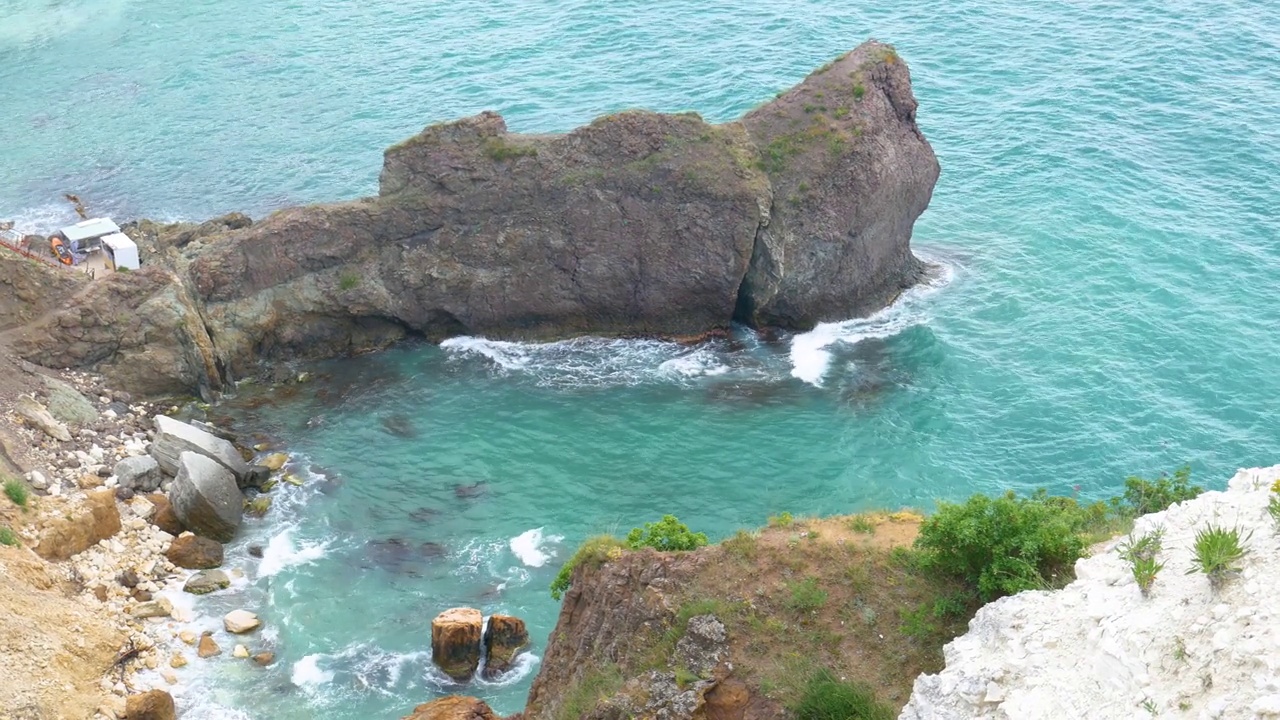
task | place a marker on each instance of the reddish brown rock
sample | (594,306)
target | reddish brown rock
(504,638)
(150,705)
(453,707)
(164,517)
(80,527)
(195,552)
(207,648)
(728,700)
(455,642)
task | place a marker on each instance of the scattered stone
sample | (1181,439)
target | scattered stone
(179,660)
(264,658)
(207,648)
(275,461)
(141,595)
(255,551)
(89,481)
(187,637)
(504,638)
(128,578)
(100,592)
(240,651)
(155,608)
(123,494)
(38,480)
(140,474)
(205,497)
(35,415)
(150,705)
(80,527)
(239,622)
(207,581)
(455,642)
(194,552)
(453,707)
(174,437)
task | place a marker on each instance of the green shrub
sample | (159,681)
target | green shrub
(348,281)
(8,537)
(1140,553)
(1004,545)
(862,524)
(596,551)
(17,491)
(667,534)
(1218,552)
(783,519)
(827,698)
(1148,496)
(806,596)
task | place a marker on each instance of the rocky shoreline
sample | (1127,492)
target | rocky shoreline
(99,524)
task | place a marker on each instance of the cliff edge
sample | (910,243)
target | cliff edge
(636,224)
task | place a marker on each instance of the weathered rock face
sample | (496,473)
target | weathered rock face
(80,527)
(67,404)
(455,642)
(453,707)
(194,552)
(29,288)
(205,498)
(174,437)
(38,417)
(150,705)
(504,638)
(636,224)
(164,517)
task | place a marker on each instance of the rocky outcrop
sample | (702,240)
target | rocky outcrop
(504,638)
(29,288)
(67,404)
(1099,648)
(455,642)
(79,527)
(174,437)
(453,707)
(636,224)
(194,552)
(205,498)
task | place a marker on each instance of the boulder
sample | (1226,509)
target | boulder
(174,437)
(240,651)
(194,552)
(206,647)
(38,417)
(150,705)
(455,642)
(504,638)
(67,404)
(207,581)
(139,474)
(275,461)
(453,707)
(264,658)
(163,516)
(153,609)
(80,526)
(205,497)
(238,622)
(258,478)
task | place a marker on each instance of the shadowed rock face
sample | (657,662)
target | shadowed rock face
(636,224)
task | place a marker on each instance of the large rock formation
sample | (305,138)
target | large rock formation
(455,642)
(504,638)
(205,498)
(453,707)
(174,437)
(636,224)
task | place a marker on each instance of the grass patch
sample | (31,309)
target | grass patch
(595,687)
(741,545)
(1218,552)
(8,537)
(862,524)
(781,520)
(806,596)
(858,91)
(499,150)
(828,698)
(17,491)
(595,551)
(1140,553)
(348,281)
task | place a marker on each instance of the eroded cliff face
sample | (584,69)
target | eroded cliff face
(637,224)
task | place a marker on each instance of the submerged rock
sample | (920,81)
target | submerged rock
(455,642)
(474,490)
(399,426)
(205,498)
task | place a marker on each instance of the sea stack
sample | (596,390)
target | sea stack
(455,642)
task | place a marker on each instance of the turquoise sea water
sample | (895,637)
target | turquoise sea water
(1107,221)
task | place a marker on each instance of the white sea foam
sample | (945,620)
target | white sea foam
(522,668)
(530,547)
(811,351)
(281,552)
(308,674)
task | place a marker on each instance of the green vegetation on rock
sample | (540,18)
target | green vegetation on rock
(1148,496)
(1218,552)
(828,698)
(498,149)
(17,491)
(8,537)
(666,534)
(595,551)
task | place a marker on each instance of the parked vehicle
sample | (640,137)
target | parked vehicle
(60,250)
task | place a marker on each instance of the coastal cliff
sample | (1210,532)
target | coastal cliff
(636,224)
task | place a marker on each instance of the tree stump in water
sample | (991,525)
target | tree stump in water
(504,638)
(455,642)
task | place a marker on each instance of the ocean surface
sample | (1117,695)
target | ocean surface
(1107,231)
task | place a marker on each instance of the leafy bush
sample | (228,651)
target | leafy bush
(783,519)
(596,551)
(1218,551)
(1148,496)
(8,537)
(1004,545)
(827,698)
(1140,553)
(806,596)
(666,534)
(17,491)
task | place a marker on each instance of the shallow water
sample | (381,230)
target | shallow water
(1106,218)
